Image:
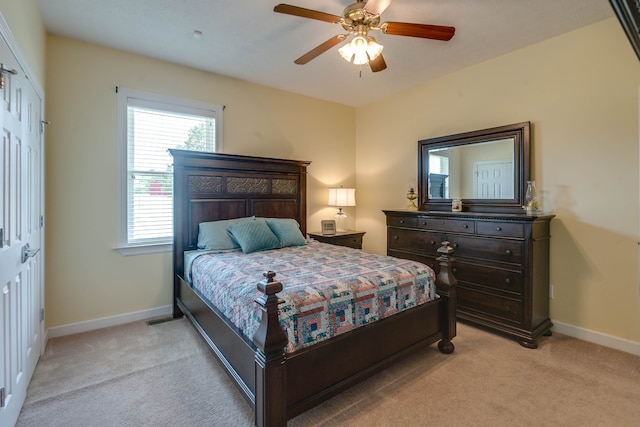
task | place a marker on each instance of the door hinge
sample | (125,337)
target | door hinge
(42,314)
(42,123)
(41,221)
(1,397)
(1,237)
(3,71)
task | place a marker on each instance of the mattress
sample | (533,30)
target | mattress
(328,290)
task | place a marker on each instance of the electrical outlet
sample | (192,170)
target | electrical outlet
(550,291)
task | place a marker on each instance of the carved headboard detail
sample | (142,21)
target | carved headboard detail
(214,186)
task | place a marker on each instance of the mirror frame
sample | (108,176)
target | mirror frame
(520,132)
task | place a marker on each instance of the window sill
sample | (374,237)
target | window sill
(145,249)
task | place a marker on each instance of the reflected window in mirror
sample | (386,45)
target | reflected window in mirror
(438,175)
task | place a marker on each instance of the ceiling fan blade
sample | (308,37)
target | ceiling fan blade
(435,32)
(306,13)
(318,50)
(378,64)
(377,6)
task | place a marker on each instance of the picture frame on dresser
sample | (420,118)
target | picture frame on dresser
(328,227)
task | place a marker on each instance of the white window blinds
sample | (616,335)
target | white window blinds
(152,127)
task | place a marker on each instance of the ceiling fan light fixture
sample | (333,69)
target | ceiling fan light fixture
(360,50)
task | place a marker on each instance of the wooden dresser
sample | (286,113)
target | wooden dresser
(501,263)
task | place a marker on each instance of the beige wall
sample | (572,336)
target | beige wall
(580,91)
(25,23)
(86,279)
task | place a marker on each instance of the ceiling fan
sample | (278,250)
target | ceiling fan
(358,19)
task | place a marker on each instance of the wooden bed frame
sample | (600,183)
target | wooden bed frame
(209,187)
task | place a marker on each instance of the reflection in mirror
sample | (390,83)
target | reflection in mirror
(477,171)
(486,169)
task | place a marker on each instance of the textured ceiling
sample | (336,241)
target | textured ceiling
(248,41)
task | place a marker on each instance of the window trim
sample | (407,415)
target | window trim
(141,97)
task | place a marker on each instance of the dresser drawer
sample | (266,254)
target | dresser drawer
(402,221)
(483,304)
(502,229)
(349,241)
(453,225)
(480,276)
(413,240)
(501,250)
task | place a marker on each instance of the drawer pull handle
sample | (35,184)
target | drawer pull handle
(455,245)
(454,269)
(402,221)
(499,228)
(424,222)
(466,226)
(433,242)
(508,252)
(395,237)
(507,281)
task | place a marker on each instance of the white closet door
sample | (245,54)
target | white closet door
(21,255)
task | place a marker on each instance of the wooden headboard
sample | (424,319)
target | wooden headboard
(214,186)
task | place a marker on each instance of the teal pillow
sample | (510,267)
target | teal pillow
(214,235)
(254,236)
(287,230)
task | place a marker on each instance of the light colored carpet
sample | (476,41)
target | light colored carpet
(164,375)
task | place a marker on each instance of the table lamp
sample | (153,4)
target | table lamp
(341,197)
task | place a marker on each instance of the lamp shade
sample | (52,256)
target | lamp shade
(342,197)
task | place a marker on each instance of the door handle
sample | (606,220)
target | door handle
(27,253)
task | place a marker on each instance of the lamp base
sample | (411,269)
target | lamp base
(341,221)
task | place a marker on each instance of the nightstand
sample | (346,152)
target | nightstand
(350,238)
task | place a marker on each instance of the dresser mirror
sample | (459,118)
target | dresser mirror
(486,169)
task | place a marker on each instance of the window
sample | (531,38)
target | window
(148,126)
(439,164)
(438,176)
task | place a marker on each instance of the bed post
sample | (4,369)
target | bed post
(270,339)
(446,284)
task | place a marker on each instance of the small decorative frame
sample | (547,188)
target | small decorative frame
(328,227)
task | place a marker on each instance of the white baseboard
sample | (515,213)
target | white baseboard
(599,338)
(610,341)
(105,322)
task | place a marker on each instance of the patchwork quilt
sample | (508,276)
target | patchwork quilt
(328,289)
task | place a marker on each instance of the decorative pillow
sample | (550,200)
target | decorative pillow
(254,236)
(287,230)
(215,235)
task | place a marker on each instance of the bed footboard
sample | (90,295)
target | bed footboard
(270,340)
(279,398)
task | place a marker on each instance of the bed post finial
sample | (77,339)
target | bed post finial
(270,339)
(446,284)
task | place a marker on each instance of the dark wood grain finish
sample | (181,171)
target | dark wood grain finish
(350,239)
(210,186)
(502,264)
